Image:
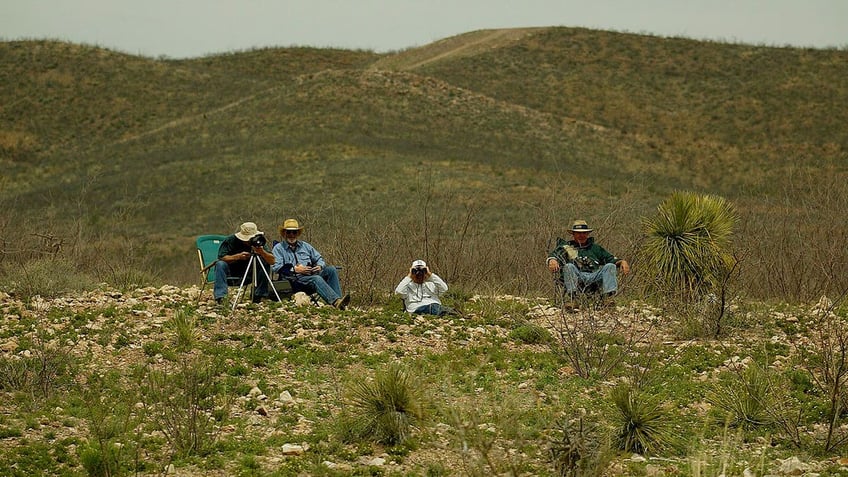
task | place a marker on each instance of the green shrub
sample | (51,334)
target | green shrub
(183,404)
(183,324)
(529,333)
(387,408)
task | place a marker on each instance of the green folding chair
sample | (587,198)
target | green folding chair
(207,253)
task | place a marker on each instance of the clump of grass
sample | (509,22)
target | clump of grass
(528,333)
(46,277)
(184,326)
(47,371)
(643,425)
(388,408)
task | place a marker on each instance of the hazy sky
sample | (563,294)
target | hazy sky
(189,28)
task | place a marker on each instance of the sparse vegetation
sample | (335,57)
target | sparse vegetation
(472,154)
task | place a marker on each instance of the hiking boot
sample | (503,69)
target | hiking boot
(258,299)
(341,303)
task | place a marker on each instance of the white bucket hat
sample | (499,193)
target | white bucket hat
(247,231)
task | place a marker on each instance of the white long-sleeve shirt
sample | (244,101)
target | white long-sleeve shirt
(416,295)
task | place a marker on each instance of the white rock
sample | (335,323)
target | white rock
(292,449)
(254,392)
(285,398)
(792,466)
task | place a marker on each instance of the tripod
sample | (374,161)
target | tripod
(254,263)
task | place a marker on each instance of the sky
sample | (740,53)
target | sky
(194,28)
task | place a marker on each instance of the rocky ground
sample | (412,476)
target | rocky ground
(494,392)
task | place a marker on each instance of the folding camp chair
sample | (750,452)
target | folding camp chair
(207,253)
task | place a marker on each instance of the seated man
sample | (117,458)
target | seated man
(421,290)
(305,268)
(234,257)
(584,263)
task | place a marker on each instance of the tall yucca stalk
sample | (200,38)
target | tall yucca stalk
(688,241)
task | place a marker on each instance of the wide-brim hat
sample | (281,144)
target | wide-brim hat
(580,226)
(247,231)
(291,224)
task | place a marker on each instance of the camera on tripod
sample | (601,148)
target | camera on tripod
(258,240)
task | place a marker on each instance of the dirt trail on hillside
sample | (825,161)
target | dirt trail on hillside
(463,45)
(195,117)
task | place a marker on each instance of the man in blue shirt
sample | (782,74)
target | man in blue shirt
(305,268)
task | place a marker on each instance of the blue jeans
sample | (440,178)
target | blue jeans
(431,309)
(326,284)
(576,281)
(237,269)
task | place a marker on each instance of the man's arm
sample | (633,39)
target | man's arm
(268,257)
(441,286)
(229,254)
(401,288)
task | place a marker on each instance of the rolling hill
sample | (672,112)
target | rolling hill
(452,151)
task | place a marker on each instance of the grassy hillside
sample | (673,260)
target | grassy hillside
(456,152)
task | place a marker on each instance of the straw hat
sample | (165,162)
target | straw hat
(290,225)
(580,226)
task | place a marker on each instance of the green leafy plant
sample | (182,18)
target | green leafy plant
(388,408)
(530,333)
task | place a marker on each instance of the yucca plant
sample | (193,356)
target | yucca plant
(687,245)
(388,408)
(643,425)
(745,398)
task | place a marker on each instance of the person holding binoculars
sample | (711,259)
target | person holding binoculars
(421,289)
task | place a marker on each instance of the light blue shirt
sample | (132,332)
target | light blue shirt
(301,254)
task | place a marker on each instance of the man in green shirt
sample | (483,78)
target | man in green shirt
(234,256)
(583,263)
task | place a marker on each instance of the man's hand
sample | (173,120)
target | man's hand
(624,266)
(304,270)
(553,265)
(243,255)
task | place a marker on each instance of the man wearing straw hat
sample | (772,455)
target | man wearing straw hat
(583,263)
(304,267)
